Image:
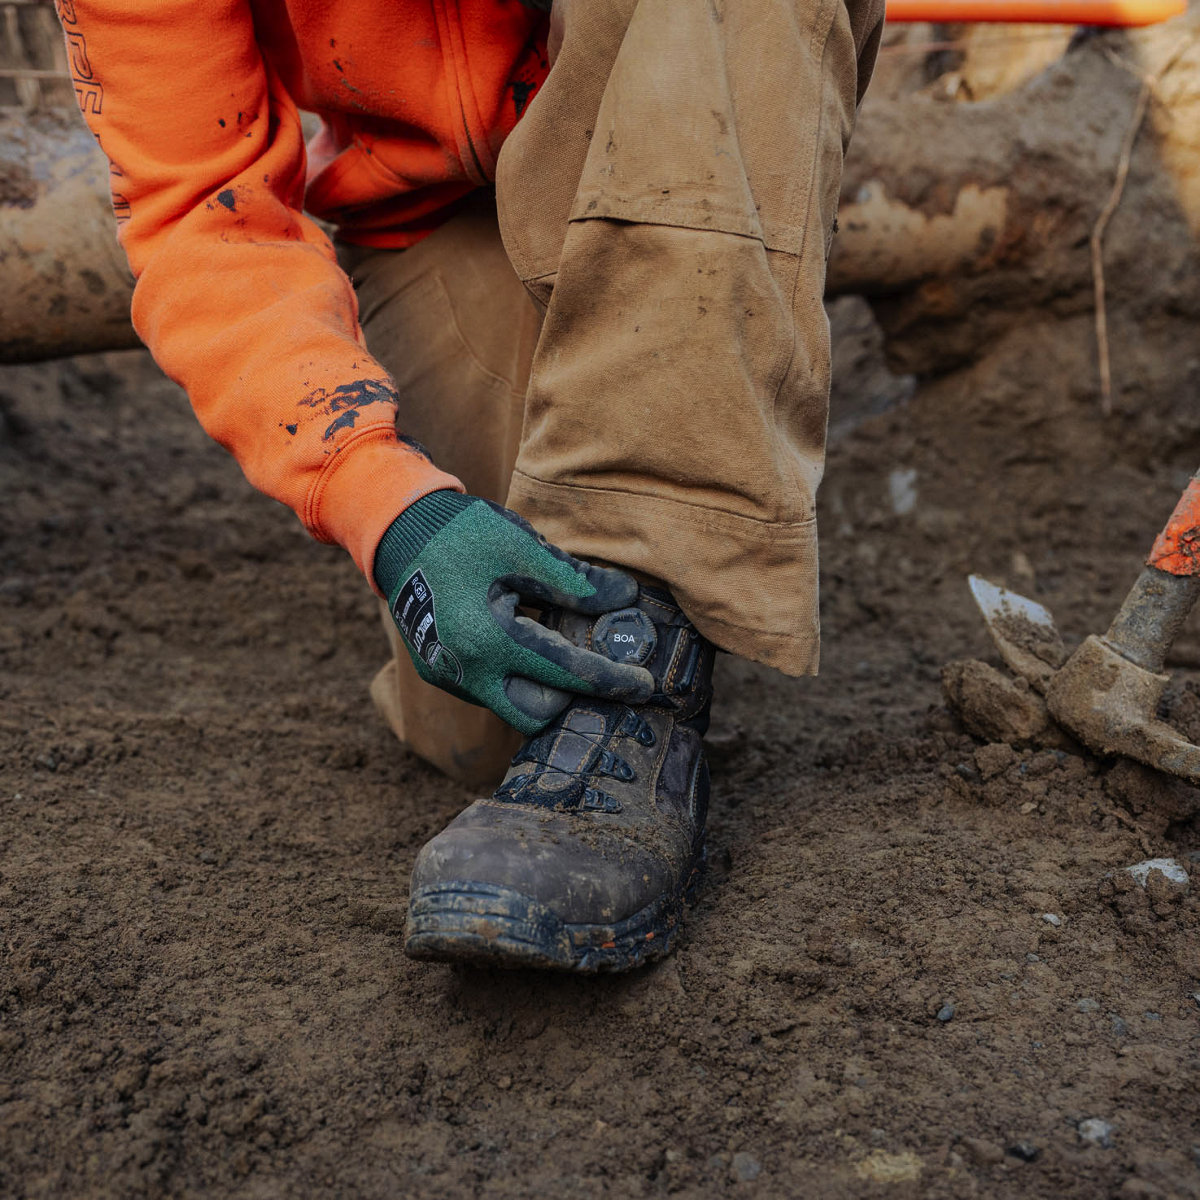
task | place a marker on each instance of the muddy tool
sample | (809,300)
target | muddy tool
(1107,692)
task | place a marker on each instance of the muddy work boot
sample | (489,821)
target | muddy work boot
(583,856)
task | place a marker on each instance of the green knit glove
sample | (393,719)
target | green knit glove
(454,568)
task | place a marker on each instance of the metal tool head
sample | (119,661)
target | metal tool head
(1098,694)
(1024,632)
(1111,705)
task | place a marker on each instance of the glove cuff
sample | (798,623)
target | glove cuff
(411,531)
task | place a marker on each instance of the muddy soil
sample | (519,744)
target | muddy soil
(917,968)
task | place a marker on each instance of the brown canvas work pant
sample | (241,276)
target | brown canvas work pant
(668,202)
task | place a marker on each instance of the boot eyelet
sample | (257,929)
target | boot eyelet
(595,800)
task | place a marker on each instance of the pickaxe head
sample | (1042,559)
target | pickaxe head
(1100,694)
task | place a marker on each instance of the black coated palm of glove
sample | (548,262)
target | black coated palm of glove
(454,569)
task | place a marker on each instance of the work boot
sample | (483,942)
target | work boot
(583,856)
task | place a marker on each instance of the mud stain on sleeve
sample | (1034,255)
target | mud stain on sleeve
(344,403)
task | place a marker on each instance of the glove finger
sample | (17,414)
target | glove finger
(594,675)
(539,703)
(567,581)
(610,589)
(497,700)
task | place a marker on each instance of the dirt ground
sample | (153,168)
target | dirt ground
(917,968)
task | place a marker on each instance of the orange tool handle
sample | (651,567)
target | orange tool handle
(1050,12)
(1177,548)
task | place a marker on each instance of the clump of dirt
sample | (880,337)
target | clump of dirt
(996,706)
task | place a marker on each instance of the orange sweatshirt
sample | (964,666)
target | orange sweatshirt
(238,295)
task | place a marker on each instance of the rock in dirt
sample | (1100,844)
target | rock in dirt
(745,1167)
(881,1167)
(1025,1151)
(996,706)
(1169,868)
(1096,1131)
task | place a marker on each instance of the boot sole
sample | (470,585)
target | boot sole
(491,925)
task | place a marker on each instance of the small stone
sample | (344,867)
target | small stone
(1032,958)
(1027,808)
(1087,1005)
(504,1082)
(1096,1131)
(902,490)
(208,856)
(1152,1016)
(946,1012)
(1169,867)
(745,1167)
(881,1166)
(1119,1028)
(1052,919)
(1025,1151)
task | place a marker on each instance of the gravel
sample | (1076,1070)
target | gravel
(746,1168)
(1096,1131)
(1170,867)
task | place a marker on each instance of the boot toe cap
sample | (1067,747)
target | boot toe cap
(581,872)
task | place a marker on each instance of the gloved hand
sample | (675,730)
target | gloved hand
(454,568)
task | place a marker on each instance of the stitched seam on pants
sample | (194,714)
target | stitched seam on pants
(827,26)
(783,236)
(433,282)
(509,385)
(652,210)
(677,220)
(765,635)
(751,527)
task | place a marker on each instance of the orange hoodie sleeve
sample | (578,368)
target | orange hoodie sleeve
(239,296)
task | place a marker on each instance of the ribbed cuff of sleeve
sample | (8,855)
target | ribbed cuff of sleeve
(374,478)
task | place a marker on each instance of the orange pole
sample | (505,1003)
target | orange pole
(1051,12)
(1177,550)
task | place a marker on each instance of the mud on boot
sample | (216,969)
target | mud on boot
(582,858)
